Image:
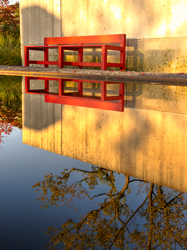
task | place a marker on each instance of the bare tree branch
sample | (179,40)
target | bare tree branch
(125,224)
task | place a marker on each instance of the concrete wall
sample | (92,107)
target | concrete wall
(156,29)
(138,19)
(148,140)
(150,144)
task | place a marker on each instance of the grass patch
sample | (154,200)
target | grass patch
(10,51)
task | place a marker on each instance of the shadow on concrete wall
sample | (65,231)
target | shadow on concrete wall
(134,58)
(38,23)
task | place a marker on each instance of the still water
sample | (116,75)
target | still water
(48,198)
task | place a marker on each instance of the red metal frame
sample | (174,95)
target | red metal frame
(77,98)
(78,43)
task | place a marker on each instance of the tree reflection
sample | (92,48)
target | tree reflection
(10,105)
(113,221)
(10,90)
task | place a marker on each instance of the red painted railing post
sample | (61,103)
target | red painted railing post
(121,93)
(122,55)
(27,84)
(80,87)
(103,91)
(104,58)
(26,53)
(46,82)
(61,87)
(46,57)
(80,56)
(60,57)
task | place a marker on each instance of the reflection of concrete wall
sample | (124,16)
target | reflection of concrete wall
(146,144)
(157,97)
(146,24)
(137,95)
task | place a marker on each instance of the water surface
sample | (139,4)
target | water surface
(82,204)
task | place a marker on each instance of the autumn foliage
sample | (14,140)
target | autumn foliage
(9,17)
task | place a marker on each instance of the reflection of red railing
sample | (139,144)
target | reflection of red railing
(78,98)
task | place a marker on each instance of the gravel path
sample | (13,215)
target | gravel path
(108,75)
(94,72)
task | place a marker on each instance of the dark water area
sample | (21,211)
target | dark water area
(54,200)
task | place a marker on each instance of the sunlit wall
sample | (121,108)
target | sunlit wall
(156,29)
(138,19)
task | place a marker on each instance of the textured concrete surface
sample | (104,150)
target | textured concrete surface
(157,55)
(139,19)
(156,30)
(144,143)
